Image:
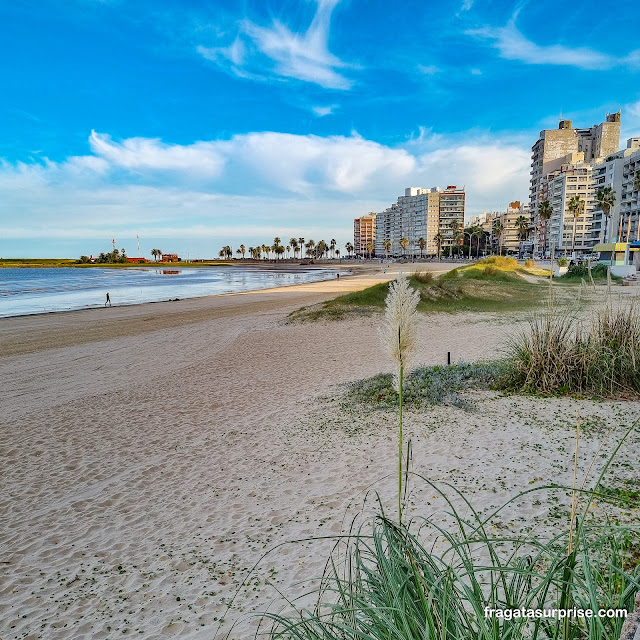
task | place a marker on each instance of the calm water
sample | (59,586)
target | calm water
(27,291)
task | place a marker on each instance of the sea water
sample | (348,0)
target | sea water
(26,291)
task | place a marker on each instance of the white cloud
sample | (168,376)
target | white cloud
(145,153)
(324,111)
(234,53)
(301,56)
(428,70)
(513,45)
(265,180)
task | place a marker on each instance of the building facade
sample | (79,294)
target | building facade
(619,172)
(364,232)
(562,147)
(420,214)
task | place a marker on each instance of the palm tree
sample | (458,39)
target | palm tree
(293,242)
(333,245)
(478,232)
(576,207)
(310,245)
(370,247)
(498,231)
(288,249)
(522,225)
(458,238)
(606,199)
(226,252)
(266,249)
(337,252)
(636,186)
(455,236)
(241,250)
(156,253)
(301,244)
(438,239)
(422,243)
(545,211)
(321,248)
(404,243)
(349,248)
(387,247)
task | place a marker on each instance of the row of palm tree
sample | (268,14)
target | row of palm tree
(296,246)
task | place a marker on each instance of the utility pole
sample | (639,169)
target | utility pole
(138,237)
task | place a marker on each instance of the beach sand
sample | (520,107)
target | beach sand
(151,455)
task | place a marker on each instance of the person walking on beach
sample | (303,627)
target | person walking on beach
(108,300)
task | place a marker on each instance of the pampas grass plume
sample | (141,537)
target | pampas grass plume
(398,331)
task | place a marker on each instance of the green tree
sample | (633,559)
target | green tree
(349,247)
(606,199)
(522,227)
(498,231)
(576,208)
(387,247)
(438,239)
(422,244)
(545,211)
(370,247)
(477,232)
(404,243)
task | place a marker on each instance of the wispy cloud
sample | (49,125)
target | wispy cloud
(324,111)
(428,70)
(513,45)
(276,50)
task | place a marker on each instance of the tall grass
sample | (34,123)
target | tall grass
(561,354)
(385,582)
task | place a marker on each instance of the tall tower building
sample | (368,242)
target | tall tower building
(556,147)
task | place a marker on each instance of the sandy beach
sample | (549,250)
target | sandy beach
(151,455)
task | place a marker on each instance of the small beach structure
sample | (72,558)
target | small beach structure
(170,257)
(137,260)
(626,256)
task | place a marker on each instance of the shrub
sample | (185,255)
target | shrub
(562,262)
(423,277)
(529,263)
(501,262)
(560,355)
(387,582)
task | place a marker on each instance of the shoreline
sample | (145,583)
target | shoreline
(37,332)
(213,295)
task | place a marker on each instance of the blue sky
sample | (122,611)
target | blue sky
(199,124)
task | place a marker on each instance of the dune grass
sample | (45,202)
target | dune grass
(561,354)
(491,285)
(387,581)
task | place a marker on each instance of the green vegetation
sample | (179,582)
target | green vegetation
(426,385)
(387,580)
(577,272)
(36,262)
(494,284)
(559,354)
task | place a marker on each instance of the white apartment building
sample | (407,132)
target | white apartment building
(420,213)
(563,232)
(618,171)
(556,148)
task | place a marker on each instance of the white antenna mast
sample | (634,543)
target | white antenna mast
(138,237)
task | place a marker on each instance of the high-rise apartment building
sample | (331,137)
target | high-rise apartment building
(557,148)
(364,232)
(564,231)
(420,213)
(618,171)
